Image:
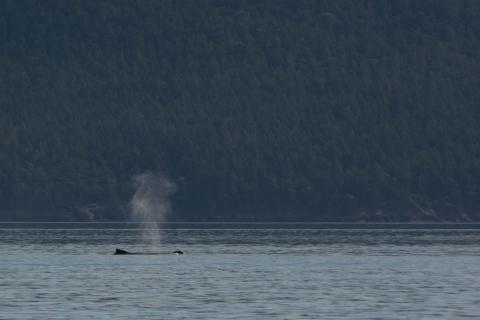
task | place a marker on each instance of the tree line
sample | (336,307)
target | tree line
(316,110)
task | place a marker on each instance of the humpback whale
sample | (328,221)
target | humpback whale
(120,251)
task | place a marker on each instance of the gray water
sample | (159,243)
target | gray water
(62,273)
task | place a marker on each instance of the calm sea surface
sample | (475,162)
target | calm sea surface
(61,271)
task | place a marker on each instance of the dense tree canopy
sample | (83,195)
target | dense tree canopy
(318,110)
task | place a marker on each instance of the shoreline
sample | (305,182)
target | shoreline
(172,225)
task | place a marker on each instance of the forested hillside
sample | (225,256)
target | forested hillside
(315,110)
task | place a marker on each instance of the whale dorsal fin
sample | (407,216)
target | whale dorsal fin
(120,251)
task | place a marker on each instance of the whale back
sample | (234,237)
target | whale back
(120,251)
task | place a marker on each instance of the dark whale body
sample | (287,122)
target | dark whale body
(120,251)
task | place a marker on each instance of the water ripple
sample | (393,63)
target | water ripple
(241,274)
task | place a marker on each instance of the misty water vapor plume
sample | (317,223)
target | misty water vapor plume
(150,205)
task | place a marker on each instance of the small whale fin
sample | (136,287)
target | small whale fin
(120,251)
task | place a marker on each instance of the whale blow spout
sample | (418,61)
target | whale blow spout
(120,251)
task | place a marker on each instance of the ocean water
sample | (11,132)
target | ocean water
(239,272)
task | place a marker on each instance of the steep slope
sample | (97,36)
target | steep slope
(339,110)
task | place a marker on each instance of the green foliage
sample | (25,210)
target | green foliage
(312,109)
